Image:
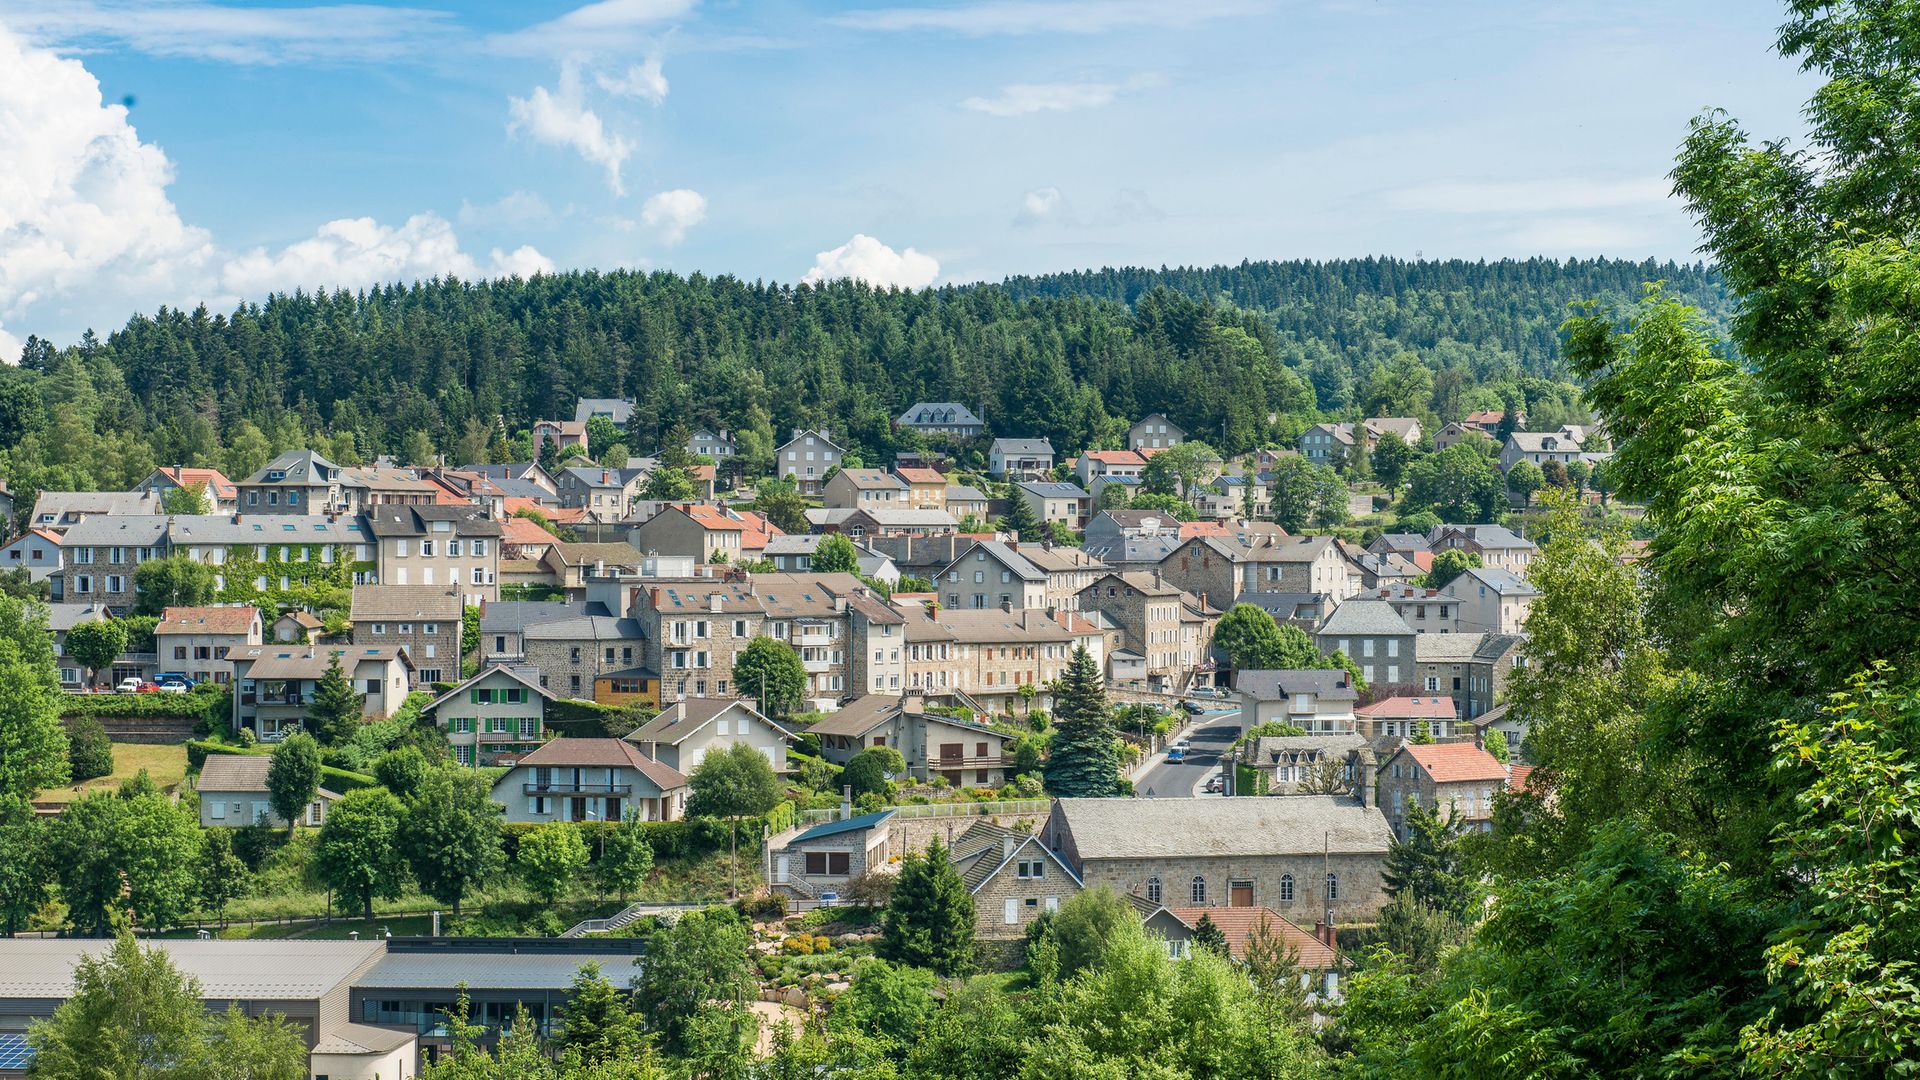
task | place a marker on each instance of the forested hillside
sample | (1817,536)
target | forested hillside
(1247,355)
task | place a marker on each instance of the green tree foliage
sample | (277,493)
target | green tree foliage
(294,777)
(358,854)
(867,772)
(451,835)
(1256,642)
(1181,470)
(768,670)
(1019,518)
(1426,864)
(24,870)
(133,1016)
(888,1002)
(1080,933)
(222,875)
(699,960)
(734,783)
(401,770)
(33,745)
(1171,505)
(175,581)
(89,751)
(783,504)
(1459,484)
(1304,493)
(625,859)
(1447,565)
(668,484)
(1208,935)
(335,712)
(135,850)
(1390,459)
(1495,744)
(550,858)
(598,1023)
(929,919)
(1083,759)
(836,555)
(191,499)
(97,644)
(1524,479)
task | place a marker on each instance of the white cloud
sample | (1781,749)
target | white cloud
(233,34)
(644,80)
(1041,205)
(865,259)
(513,208)
(1022,98)
(562,118)
(1047,16)
(595,29)
(672,213)
(88,233)
(358,252)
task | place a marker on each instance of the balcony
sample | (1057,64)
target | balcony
(815,667)
(577,789)
(946,764)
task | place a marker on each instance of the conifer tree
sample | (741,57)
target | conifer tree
(1208,935)
(929,920)
(336,707)
(1082,760)
(1019,517)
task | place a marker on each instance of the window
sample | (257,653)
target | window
(1032,868)
(379,628)
(1199,891)
(1286,888)
(179,652)
(426,548)
(1012,911)
(406,628)
(1333,886)
(453,549)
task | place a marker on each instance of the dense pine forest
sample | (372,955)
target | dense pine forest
(1247,355)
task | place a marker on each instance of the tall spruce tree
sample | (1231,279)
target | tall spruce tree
(1019,517)
(929,920)
(1083,760)
(336,707)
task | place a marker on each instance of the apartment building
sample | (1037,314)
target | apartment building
(453,546)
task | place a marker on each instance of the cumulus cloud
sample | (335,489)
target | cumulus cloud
(88,232)
(1041,205)
(672,213)
(645,81)
(561,117)
(355,252)
(865,259)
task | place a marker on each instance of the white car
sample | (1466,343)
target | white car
(1183,746)
(128,685)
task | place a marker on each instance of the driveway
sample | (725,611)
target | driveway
(1211,734)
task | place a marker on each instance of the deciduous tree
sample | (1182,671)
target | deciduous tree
(769,671)
(451,835)
(551,856)
(293,779)
(358,854)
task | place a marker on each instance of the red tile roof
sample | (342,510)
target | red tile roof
(1485,416)
(599,753)
(519,530)
(921,476)
(1116,457)
(217,484)
(1239,923)
(1409,708)
(1452,763)
(206,620)
(1519,777)
(1191,529)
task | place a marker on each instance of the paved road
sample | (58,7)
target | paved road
(1211,737)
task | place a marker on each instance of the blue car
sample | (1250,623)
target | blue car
(1176,755)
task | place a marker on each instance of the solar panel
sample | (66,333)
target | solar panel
(14,1052)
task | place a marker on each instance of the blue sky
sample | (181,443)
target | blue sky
(272,146)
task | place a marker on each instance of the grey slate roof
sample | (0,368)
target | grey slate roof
(297,467)
(414,520)
(1274,684)
(939,414)
(1364,618)
(1053,489)
(513,616)
(619,410)
(963,493)
(531,970)
(1487,536)
(231,529)
(145,530)
(237,970)
(835,828)
(1504,582)
(62,617)
(1024,447)
(1446,648)
(1127,828)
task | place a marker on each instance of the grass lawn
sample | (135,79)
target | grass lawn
(167,765)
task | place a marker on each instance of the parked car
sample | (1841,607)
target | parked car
(128,685)
(174,678)
(149,688)
(175,687)
(1216,783)
(829,899)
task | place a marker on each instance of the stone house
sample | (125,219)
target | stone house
(687,731)
(1209,567)
(933,744)
(854,489)
(1325,764)
(1156,432)
(1427,611)
(297,627)
(590,780)
(713,446)
(704,533)
(572,652)
(1498,547)
(1491,601)
(1013,878)
(198,640)
(827,856)
(1310,854)
(876,645)
(926,488)
(992,574)
(1170,628)
(99,556)
(572,564)
(807,457)
(1472,669)
(1053,501)
(1452,777)
(455,547)
(501,710)
(1372,635)
(605,493)
(234,794)
(423,619)
(1068,570)
(276,683)
(1020,459)
(1305,564)
(694,631)
(1541,447)
(1318,701)
(988,656)
(561,434)
(297,482)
